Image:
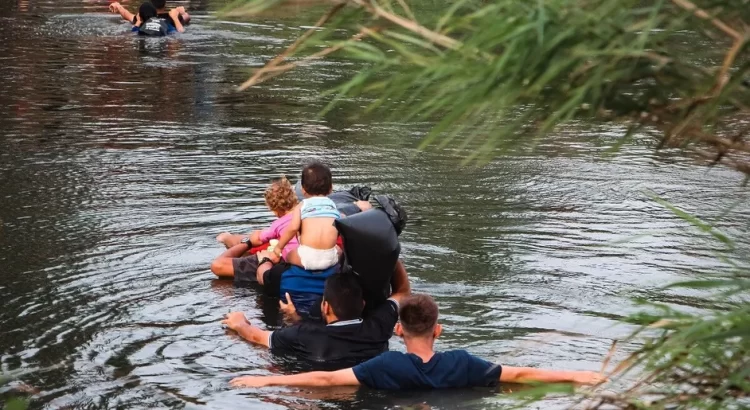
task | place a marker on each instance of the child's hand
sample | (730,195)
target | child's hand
(222,237)
(275,258)
(180,9)
(264,254)
(114,7)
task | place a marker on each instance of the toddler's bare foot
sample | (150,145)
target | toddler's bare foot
(222,237)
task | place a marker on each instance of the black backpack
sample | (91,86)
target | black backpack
(155,26)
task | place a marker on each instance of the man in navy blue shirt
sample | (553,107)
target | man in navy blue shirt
(421,367)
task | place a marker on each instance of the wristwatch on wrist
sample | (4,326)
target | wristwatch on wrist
(264,260)
(246,241)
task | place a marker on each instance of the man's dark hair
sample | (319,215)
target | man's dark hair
(146,11)
(159,4)
(343,292)
(418,314)
(317,179)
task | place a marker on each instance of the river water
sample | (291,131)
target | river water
(121,158)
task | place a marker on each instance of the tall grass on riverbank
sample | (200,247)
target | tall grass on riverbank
(694,361)
(683,360)
(499,75)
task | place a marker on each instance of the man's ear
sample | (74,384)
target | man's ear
(324,307)
(398,330)
(437,331)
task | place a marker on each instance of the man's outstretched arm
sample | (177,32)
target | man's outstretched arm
(344,377)
(530,375)
(124,13)
(175,15)
(237,322)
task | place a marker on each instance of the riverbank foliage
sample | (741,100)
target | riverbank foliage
(693,361)
(502,72)
(498,74)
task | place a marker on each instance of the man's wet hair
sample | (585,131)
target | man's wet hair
(159,4)
(344,294)
(418,315)
(317,179)
(146,11)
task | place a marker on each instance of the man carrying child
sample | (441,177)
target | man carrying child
(153,17)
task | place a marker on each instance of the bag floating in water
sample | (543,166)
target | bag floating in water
(371,249)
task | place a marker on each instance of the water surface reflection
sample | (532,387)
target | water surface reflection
(122,157)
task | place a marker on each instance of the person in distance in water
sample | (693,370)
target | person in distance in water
(421,367)
(177,18)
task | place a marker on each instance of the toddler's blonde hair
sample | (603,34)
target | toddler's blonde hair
(280,196)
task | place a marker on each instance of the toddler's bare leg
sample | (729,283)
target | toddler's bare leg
(294,259)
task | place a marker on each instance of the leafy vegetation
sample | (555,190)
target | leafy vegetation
(694,361)
(12,403)
(497,75)
(501,72)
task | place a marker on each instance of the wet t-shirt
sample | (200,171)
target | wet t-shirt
(451,369)
(343,342)
(276,229)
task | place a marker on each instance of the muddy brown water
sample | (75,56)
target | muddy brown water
(121,158)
